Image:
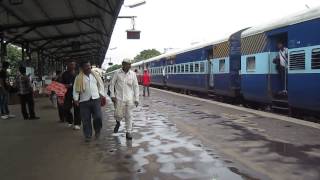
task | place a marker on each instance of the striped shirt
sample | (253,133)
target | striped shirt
(24,85)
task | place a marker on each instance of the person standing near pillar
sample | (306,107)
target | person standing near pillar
(4,92)
(67,79)
(124,94)
(25,92)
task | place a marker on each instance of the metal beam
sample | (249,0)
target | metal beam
(20,35)
(110,6)
(70,45)
(52,22)
(15,15)
(78,50)
(94,28)
(67,36)
(100,7)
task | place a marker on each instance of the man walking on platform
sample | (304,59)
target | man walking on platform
(146,82)
(25,92)
(88,94)
(124,94)
(68,79)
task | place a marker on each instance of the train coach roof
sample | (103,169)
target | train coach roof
(180,51)
(296,18)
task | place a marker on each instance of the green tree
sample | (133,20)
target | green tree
(146,54)
(14,56)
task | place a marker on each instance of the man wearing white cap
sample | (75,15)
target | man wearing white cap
(124,94)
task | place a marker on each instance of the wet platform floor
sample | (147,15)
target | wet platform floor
(174,138)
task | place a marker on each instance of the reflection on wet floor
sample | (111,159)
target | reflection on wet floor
(158,150)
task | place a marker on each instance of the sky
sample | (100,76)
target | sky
(178,24)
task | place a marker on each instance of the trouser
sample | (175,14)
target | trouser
(27,99)
(283,77)
(60,112)
(144,90)
(4,100)
(123,110)
(88,109)
(67,106)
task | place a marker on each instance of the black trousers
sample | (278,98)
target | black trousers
(60,111)
(27,99)
(67,106)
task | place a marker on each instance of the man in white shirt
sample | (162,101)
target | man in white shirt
(283,58)
(88,92)
(124,94)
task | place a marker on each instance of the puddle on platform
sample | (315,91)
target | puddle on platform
(159,150)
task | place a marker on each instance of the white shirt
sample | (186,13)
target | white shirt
(124,86)
(283,55)
(91,89)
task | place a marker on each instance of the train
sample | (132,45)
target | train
(241,67)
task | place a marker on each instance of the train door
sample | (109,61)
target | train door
(210,78)
(164,72)
(235,61)
(277,83)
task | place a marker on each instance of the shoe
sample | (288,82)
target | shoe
(76,127)
(97,135)
(116,128)
(4,117)
(69,125)
(129,136)
(87,139)
(34,118)
(11,116)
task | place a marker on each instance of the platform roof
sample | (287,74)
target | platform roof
(62,29)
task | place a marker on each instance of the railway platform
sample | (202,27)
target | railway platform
(175,137)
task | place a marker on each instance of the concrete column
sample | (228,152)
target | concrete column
(2,49)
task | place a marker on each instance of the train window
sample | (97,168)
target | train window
(191,67)
(178,68)
(297,60)
(201,66)
(196,67)
(222,63)
(182,68)
(315,61)
(251,63)
(169,69)
(186,68)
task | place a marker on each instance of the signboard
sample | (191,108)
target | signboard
(133,34)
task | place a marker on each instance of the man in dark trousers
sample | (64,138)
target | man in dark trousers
(89,95)
(4,92)
(25,92)
(68,80)
(60,106)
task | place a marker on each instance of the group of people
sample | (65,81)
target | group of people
(24,89)
(86,94)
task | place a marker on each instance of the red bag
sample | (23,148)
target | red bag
(103,101)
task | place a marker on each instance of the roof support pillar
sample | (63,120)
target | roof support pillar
(22,53)
(3,49)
